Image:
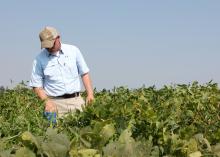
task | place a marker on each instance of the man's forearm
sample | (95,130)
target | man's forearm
(87,84)
(49,104)
(40,93)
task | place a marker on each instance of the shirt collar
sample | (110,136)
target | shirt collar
(57,54)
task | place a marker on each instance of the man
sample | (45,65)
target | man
(56,74)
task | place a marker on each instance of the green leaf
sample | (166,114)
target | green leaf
(56,145)
(216,149)
(60,138)
(52,149)
(24,152)
(107,131)
(5,153)
(28,137)
(155,152)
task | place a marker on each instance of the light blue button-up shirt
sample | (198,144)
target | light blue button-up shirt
(60,73)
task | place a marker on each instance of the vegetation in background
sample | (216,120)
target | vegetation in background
(174,121)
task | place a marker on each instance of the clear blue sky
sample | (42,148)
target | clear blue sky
(125,42)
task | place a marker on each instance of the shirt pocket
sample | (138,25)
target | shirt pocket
(52,72)
(72,68)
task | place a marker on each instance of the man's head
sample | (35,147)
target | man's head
(50,39)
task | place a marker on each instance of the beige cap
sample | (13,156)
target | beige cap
(48,36)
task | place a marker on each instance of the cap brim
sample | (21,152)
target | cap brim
(47,44)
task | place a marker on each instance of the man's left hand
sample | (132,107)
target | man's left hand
(89,99)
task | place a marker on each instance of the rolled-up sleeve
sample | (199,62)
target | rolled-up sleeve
(81,64)
(36,75)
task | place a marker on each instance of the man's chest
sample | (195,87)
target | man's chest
(56,67)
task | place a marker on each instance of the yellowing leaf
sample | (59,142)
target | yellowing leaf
(87,152)
(108,131)
(195,154)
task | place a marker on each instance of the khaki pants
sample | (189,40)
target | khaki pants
(68,105)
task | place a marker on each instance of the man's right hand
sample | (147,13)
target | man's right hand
(50,106)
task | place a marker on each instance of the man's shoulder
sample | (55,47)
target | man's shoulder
(67,45)
(69,48)
(41,55)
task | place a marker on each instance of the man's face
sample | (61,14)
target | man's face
(56,46)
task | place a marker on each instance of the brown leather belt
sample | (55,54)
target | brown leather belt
(68,95)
